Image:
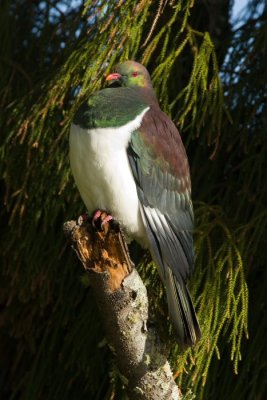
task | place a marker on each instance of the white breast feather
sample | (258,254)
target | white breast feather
(103,175)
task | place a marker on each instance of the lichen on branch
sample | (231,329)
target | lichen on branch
(122,300)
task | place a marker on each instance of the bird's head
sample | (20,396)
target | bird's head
(129,74)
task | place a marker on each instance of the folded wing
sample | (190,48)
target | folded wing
(161,172)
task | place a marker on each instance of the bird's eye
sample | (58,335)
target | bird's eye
(135,73)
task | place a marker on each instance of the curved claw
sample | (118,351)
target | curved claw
(82,218)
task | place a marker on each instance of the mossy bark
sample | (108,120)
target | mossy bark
(122,300)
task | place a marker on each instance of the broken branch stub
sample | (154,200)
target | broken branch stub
(123,303)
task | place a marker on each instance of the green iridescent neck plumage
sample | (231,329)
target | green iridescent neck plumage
(110,108)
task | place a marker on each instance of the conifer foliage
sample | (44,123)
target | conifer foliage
(52,55)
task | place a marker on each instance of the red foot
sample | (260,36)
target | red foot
(100,219)
(96,216)
(106,219)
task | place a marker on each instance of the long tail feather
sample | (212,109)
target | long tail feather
(181,311)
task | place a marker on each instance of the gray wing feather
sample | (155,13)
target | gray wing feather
(167,214)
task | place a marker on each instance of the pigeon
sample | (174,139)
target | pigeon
(128,159)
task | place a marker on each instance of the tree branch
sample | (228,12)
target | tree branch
(122,300)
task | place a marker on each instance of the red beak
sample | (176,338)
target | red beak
(113,77)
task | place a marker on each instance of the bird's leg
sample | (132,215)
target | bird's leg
(106,219)
(100,219)
(96,216)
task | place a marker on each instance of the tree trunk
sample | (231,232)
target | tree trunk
(122,300)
